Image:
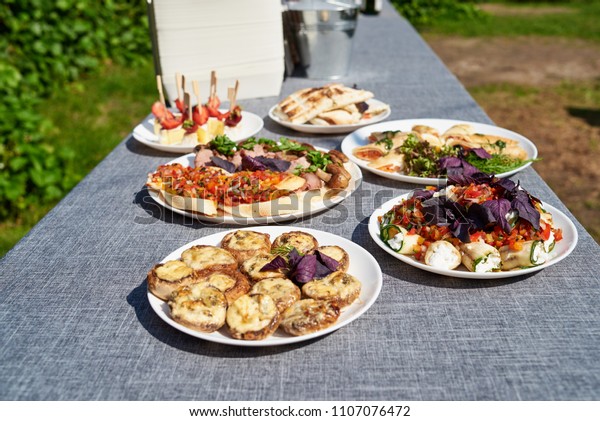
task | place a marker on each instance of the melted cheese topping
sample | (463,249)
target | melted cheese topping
(301,241)
(173,270)
(199,306)
(221,281)
(202,257)
(339,286)
(251,313)
(247,240)
(282,290)
(309,315)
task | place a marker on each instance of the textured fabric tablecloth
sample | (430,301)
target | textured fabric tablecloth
(76,323)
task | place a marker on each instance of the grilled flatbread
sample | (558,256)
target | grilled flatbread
(307,104)
(303,105)
(338,117)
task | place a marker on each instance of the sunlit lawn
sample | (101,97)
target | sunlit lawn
(91,117)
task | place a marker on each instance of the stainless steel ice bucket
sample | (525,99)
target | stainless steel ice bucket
(322,33)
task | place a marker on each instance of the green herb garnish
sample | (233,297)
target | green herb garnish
(282,250)
(288,145)
(223,145)
(317,159)
(389,143)
(251,142)
(497,164)
(421,159)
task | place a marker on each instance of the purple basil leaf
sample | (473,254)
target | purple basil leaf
(481,153)
(274,164)
(461,231)
(450,162)
(435,212)
(498,209)
(480,216)
(305,269)
(329,262)
(470,170)
(293,258)
(507,184)
(222,163)
(252,164)
(467,178)
(321,270)
(275,264)
(422,194)
(522,204)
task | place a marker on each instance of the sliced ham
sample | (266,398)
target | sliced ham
(203,157)
(300,162)
(312,181)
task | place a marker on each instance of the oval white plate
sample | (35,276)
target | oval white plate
(362,265)
(561,250)
(316,205)
(359,138)
(343,128)
(248,127)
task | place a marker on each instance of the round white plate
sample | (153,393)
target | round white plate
(360,138)
(362,265)
(248,127)
(316,204)
(561,250)
(343,128)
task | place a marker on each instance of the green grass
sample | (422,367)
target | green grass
(582,22)
(91,117)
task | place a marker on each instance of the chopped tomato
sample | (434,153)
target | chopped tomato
(161,112)
(545,232)
(234,117)
(171,123)
(180,105)
(214,103)
(200,114)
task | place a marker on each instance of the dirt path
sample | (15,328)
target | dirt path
(564,123)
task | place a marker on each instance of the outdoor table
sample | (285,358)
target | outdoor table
(76,323)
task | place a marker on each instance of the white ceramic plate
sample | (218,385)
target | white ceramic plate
(248,127)
(561,250)
(344,128)
(360,138)
(316,205)
(362,265)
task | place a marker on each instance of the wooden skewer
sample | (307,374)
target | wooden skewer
(186,100)
(196,90)
(213,84)
(161,94)
(232,95)
(178,85)
(183,84)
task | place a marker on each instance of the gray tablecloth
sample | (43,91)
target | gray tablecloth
(76,323)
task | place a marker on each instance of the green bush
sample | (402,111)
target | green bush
(423,12)
(44,45)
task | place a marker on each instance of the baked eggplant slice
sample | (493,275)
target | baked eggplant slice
(253,317)
(165,278)
(308,316)
(200,307)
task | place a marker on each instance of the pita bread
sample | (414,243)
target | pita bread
(306,104)
(303,105)
(343,96)
(341,116)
